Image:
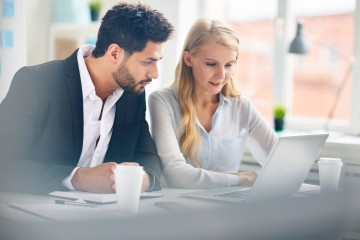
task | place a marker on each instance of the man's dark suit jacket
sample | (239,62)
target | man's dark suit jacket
(41,129)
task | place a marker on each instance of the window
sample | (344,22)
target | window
(254,23)
(322,79)
(307,84)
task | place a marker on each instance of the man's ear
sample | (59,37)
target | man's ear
(187,58)
(115,53)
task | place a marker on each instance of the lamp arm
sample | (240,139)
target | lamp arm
(335,51)
(338,93)
(350,59)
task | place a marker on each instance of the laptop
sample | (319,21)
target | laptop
(283,174)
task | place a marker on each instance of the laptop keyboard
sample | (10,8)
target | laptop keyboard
(241,194)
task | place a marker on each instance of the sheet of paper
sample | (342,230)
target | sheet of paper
(98,197)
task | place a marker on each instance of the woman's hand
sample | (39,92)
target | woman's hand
(246,178)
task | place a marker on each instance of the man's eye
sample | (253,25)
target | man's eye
(147,62)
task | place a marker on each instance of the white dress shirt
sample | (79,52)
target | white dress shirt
(235,124)
(93,154)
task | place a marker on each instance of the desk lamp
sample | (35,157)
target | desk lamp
(299,46)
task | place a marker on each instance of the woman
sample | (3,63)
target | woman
(202,124)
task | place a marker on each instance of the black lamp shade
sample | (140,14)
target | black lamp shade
(298,45)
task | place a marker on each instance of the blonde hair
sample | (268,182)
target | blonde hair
(203,32)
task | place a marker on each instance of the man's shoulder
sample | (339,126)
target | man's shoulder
(41,69)
(55,65)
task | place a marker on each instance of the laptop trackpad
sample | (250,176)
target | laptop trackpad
(240,194)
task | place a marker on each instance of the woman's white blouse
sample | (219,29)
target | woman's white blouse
(235,124)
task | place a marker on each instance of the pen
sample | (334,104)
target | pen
(74,203)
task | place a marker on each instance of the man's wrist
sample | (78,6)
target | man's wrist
(151,181)
(67,181)
(76,179)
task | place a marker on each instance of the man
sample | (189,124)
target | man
(66,123)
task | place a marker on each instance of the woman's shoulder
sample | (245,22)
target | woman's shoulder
(166,94)
(240,100)
(168,91)
(243,105)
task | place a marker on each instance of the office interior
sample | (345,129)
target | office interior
(312,86)
(319,89)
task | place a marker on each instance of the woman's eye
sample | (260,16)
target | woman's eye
(211,64)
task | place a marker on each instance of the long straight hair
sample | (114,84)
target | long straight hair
(203,32)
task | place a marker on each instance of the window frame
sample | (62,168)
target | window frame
(283,81)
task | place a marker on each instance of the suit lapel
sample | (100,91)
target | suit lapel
(73,84)
(119,122)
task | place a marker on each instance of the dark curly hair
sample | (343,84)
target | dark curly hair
(131,26)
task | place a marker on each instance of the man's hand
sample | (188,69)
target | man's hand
(146,179)
(246,178)
(101,179)
(97,179)
(146,182)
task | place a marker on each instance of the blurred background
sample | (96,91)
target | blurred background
(319,89)
(316,81)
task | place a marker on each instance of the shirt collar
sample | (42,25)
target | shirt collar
(86,82)
(88,88)
(223,99)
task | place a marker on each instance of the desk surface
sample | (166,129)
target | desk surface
(105,211)
(283,219)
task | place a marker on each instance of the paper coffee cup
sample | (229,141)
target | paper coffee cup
(128,182)
(329,173)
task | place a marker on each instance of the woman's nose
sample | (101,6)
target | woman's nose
(221,72)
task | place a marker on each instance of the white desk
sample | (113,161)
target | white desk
(105,211)
(301,218)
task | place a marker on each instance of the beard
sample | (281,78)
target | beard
(127,82)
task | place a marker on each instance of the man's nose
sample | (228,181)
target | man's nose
(154,72)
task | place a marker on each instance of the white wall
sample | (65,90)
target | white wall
(31,33)
(13,58)
(38,20)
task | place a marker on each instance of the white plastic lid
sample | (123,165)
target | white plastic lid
(330,161)
(129,169)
